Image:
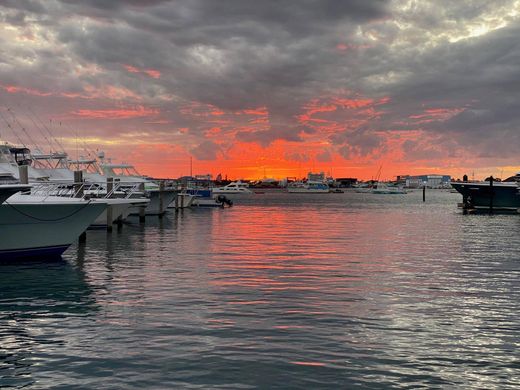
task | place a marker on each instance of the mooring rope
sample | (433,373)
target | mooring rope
(43,219)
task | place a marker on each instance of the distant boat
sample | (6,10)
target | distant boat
(504,195)
(315,184)
(383,188)
(234,188)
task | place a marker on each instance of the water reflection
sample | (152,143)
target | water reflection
(326,292)
(35,297)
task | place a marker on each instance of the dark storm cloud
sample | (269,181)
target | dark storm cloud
(236,55)
(207,150)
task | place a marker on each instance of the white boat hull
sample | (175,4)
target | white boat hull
(183,201)
(117,209)
(43,228)
(158,202)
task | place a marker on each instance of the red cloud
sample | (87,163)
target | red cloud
(436,114)
(29,91)
(153,73)
(123,113)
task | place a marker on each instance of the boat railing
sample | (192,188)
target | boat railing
(85,190)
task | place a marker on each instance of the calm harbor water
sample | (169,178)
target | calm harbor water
(281,291)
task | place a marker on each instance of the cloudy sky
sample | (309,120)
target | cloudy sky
(275,88)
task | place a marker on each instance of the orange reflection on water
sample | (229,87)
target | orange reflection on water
(317,364)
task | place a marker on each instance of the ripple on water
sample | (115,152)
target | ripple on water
(280,291)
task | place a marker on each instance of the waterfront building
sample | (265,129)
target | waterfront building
(428,181)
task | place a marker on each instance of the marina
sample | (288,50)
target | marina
(259,195)
(207,298)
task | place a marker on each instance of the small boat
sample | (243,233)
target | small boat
(184,200)
(314,184)
(383,188)
(234,188)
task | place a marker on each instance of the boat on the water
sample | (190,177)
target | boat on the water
(501,195)
(37,226)
(383,188)
(234,188)
(314,184)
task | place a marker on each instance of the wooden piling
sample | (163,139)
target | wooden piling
(142,211)
(142,214)
(161,199)
(110,216)
(78,184)
(110,186)
(491,194)
(424,194)
(23,171)
(78,191)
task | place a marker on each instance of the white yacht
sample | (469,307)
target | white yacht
(127,175)
(383,188)
(234,188)
(37,226)
(11,157)
(314,184)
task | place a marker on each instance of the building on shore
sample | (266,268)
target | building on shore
(346,182)
(428,181)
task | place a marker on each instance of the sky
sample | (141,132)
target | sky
(253,89)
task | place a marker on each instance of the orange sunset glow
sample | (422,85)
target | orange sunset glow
(271,100)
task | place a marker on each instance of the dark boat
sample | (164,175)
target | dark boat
(500,195)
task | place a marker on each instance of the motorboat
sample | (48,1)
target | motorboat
(308,188)
(184,200)
(501,195)
(11,157)
(383,188)
(161,196)
(36,226)
(234,188)
(314,184)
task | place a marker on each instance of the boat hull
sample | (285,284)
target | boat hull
(119,210)
(159,202)
(206,202)
(40,229)
(184,200)
(504,196)
(307,191)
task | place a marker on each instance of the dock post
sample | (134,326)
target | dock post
(177,201)
(24,174)
(110,186)
(82,237)
(78,184)
(424,194)
(491,194)
(78,190)
(110,189)
(110,213)
(161,199)
(142,211)
(464,197)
